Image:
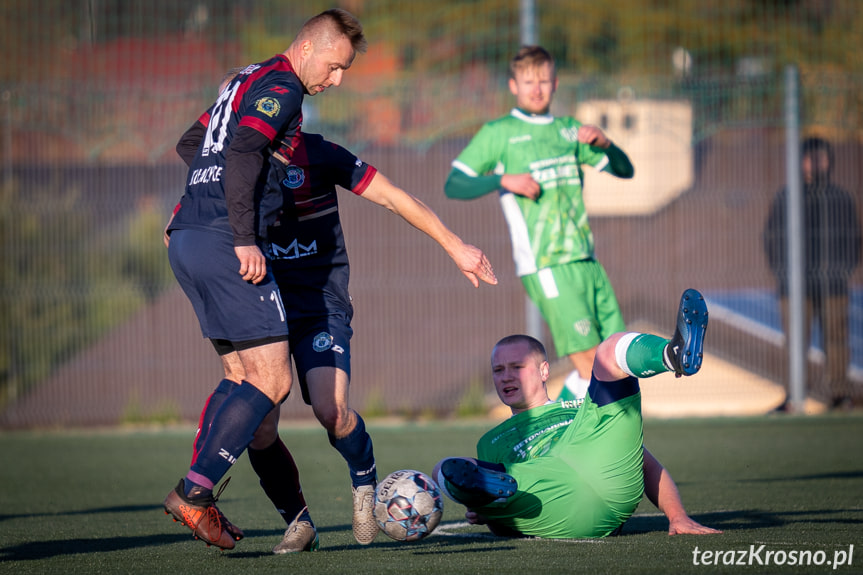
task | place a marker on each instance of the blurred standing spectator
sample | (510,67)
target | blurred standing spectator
(832,245)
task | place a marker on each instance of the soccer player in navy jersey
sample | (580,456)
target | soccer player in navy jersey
(310,264)
(218,238)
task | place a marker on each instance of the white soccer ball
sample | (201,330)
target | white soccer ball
(408,505)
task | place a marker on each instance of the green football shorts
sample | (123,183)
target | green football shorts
(578,303)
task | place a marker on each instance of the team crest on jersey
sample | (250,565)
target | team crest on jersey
(582,326)
(268,106)
(294,178)
(569,134)
(322,342)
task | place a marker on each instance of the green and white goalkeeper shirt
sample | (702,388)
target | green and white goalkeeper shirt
(552,230)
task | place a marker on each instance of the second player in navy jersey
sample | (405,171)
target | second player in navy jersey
(309,260)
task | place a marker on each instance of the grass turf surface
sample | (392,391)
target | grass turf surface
(90,502)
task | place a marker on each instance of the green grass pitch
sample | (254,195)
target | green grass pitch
(90,502)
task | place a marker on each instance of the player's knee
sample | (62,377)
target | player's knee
(282,383)
(582,361)
(606,360)
(336,420)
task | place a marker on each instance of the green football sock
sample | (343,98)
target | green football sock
(645,355)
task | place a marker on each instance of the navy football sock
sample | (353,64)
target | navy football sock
(214,402)
(231,431)
(280,478)
(356,449)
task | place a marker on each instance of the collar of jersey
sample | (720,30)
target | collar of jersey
(532,118)
(546,404)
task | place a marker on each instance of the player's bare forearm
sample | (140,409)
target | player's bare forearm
(660,489)
(166,239)
(470,260)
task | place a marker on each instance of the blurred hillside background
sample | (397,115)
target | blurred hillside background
(95,93)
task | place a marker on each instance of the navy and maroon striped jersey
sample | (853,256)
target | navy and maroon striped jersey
(263,103)
(308,233)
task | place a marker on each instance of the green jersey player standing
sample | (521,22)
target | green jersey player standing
(535,160)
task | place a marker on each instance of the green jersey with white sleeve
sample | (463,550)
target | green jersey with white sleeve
(554,229)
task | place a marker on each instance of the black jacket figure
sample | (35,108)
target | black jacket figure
(832,247)
(832,240)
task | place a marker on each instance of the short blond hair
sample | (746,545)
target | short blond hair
(534,345)
(529,57)
(334,23)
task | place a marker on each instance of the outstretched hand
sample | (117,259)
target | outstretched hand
(474,265)
(688,526)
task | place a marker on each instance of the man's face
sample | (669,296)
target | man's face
(533,88)
(324,64)
(519,376)
(815,166)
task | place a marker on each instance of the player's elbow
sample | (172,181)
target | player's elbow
(449,187)
(624,169)
(458,186)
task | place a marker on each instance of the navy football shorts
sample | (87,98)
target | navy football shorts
(322,343)
(227,307)
(319,313)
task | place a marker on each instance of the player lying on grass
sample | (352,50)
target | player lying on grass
(313,283)
(556,470)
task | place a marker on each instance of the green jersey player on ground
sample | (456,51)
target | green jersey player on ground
(554,470)
(535,160)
